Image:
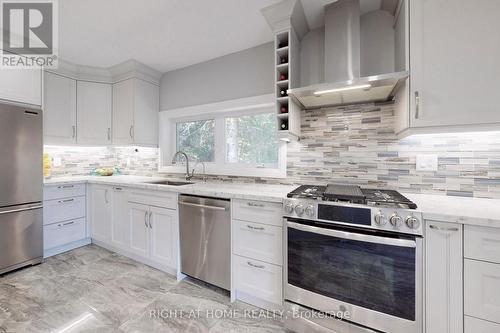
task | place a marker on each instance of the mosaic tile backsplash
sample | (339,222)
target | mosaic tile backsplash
(78,161)
(354,144)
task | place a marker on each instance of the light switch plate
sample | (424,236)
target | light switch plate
(427,162)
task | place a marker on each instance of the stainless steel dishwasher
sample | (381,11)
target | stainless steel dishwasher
(205,234)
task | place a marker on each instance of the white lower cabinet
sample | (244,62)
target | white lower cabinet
(139,229)
(101,212)
(474,325)
(482,290)
(247,235)
(59,234)
(163,244)
(119,222)
(444,277)
(64,218)
(257,280)
(153,234)
(257,253)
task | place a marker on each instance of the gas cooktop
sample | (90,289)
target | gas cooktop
(353,194)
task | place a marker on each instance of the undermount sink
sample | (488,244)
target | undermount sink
(169,182)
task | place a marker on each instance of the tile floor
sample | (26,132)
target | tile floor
(93,290)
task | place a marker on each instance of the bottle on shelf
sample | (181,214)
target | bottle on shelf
(284,125)
(282,44)
(283,92)
(284,109)
(283,60)
(283,77)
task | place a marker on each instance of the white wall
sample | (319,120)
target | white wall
(377,43)
(243,74)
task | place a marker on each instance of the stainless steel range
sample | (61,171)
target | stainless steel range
(354,258)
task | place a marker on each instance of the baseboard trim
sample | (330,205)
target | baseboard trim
(67,247)
(135,257)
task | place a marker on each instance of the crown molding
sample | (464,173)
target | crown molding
(123,71)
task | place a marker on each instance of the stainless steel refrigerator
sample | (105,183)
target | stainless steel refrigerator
(21,187)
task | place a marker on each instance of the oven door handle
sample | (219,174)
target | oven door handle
(354,236)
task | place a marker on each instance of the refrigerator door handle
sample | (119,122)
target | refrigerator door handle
(20,209)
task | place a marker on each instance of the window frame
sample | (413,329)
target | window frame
(218,112)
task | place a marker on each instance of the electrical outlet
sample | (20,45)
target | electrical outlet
(427,162)
(56,161)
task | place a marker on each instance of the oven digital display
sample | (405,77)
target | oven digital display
(353,215)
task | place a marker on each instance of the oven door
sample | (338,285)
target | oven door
(374,278)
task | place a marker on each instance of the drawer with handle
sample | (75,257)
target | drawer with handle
(51,192)
(154,198)
(482,243)
(259,279)
(258,211)
(482,290)
(258,241)
(58,234)
(63,209)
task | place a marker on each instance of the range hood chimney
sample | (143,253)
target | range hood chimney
(342,41)
(344,84)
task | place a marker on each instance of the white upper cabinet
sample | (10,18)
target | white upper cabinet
(135,112)
(59,116)
(94,102)
(455,52)
(21,85)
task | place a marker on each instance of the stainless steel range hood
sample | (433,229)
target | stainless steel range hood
(342,65)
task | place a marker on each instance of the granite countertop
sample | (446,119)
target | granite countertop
(251,191)
(471,211)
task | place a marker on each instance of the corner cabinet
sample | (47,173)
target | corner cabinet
(135,112)
(94,101)
(444,277)
(454,52)
(59,116)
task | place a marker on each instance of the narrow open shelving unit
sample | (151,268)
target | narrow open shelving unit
(287,113)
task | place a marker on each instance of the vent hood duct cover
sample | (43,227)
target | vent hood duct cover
(342,65)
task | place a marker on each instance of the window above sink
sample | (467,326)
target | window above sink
(237,138)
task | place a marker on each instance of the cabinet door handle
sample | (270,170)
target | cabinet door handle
(118,188)
(150,223)
(255,228)
(131,131)
(65,224)
(255,266)
(435,227)
(66,200)
(146,219)
(74,131)
(106,196)
(66,186)
(417,104)
(253,204)
(109,134)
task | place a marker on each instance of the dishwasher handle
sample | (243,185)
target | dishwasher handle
(202,206)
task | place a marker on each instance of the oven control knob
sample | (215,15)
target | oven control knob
(396,220)
(289,208)
(299,209)
(412,222)
(310,211)
(380,219)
